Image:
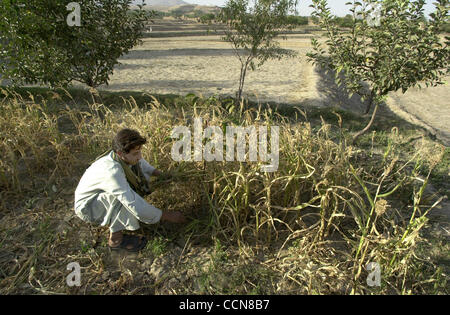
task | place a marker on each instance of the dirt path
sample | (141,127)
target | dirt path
(208,66)
(426,107)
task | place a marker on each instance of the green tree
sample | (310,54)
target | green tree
(106,33)
(38,45)
(207,18)
(298,20)
(28,51)
(398,52)
(177,13)
(346,21)
(445,28)
(252,30)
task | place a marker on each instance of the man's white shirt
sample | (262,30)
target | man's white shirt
(107,176)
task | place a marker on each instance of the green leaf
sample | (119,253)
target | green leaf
(51,52)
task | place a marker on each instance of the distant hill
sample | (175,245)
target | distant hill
(163,3)
(178,5)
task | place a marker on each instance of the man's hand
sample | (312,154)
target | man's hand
(173,216)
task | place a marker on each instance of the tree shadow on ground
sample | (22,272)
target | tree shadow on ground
(337,96)
(179,52)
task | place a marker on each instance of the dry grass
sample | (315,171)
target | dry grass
(311,227)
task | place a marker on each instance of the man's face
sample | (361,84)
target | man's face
(133,156)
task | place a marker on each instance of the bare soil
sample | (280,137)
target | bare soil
(206,65)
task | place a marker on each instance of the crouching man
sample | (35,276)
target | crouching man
(111,192)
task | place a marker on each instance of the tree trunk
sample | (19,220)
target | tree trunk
(369,106)
(360,133)
(241,84)
(242,80)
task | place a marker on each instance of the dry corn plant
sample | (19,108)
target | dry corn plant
(389,237)
(317,179)
(325,213)
(30,143)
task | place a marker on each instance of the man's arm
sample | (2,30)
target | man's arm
(117,185)
(152,171)
(170,216)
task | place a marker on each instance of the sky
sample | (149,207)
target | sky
(338,7)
